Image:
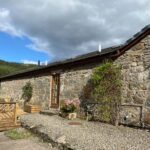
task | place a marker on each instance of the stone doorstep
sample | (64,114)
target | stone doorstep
(45,137)
(50,112)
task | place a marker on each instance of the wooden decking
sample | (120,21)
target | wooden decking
(8,115)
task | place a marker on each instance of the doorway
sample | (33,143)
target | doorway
(55,87)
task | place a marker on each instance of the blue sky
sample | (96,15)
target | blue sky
(15,49)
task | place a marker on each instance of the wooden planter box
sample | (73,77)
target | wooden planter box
(32,108)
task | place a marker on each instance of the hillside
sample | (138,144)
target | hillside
(9,67)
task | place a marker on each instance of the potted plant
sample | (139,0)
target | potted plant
(69,108)
(27,91)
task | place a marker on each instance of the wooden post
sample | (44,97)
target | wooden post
(141,117)
(15,113)
(117,114)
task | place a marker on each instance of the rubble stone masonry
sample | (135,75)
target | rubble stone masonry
(136,83)
(41,90)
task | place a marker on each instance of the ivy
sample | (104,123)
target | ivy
(106,83)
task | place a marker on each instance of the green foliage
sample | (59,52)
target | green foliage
(68,109)
(27,92)
(106,83)
(70,106)
(9,67)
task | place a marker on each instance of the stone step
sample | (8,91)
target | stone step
(50,112)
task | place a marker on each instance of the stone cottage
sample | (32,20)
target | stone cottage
(66,79)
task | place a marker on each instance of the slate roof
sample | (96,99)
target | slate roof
(67,61)
(104,51)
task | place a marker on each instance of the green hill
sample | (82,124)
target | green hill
(11,67)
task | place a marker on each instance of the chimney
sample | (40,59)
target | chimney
(39,63)
(99,48)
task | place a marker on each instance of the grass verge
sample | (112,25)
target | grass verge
(16,134)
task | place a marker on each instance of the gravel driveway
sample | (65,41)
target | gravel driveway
(90,135)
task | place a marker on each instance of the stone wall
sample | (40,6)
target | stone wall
(41,90)
(73,81)
(136,82)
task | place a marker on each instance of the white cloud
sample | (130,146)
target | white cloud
(29,62)
(34,62)
(39,45)
(6,24)
(69,27)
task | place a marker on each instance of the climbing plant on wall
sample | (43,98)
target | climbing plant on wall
(106,82)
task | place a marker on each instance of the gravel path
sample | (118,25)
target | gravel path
(90,135)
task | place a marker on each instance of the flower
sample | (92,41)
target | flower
(76,102)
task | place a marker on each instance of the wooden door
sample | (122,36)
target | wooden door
(55,85)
